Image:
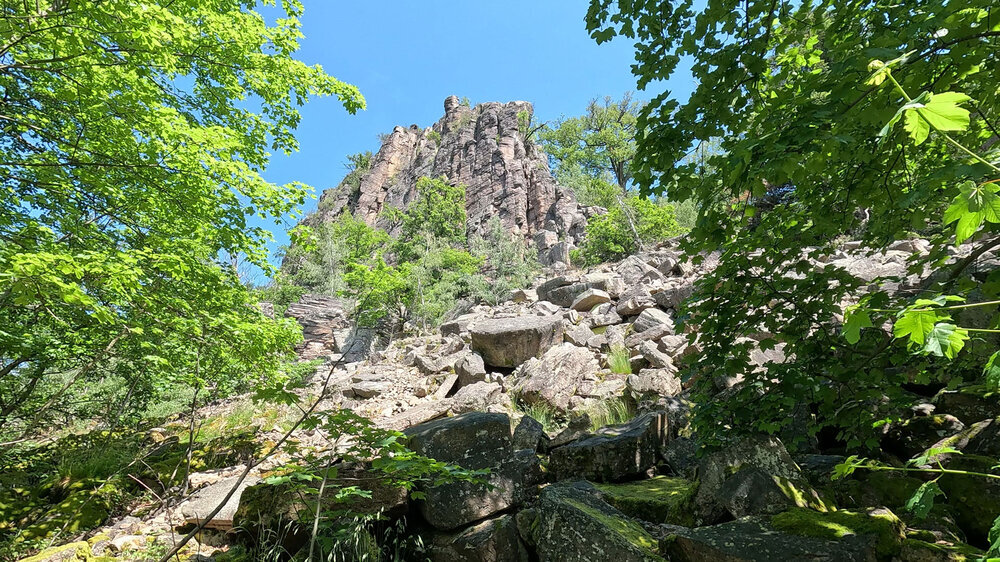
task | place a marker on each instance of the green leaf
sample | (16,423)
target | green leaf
(994,538)
(922,500)
(946,340)
(992,372)
(917,126)
(855,320)
(943,111)
(915,324)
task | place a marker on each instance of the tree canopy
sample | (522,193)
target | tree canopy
(801,96)
(132,141)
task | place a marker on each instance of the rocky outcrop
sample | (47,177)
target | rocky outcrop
(485,148)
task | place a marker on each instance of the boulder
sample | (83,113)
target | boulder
(634,269)
(511,483)
(590,298)
(529,434)
(634,305)
(476,397)
(673,296)
(916,434)
(763,452)
(969,404)
(470,369)
(459,325)
(650,318)
(474,441)
(564,294)
(460,439)
(202,502)
(751,491)
(657,500)
(655,382)
(756,539)
(492,540)
(509,342)
(555,377)
(573,525)
(614,453)
(653,356)
(578,335)
(524,295)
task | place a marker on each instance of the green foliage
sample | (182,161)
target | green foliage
(802,98)
(610,236)
(510,263)
(134,140)
(599,191)
(619,360)
(601,141)
(613,411)
(357,166)
(435,137)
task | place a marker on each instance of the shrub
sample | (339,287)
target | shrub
(511,263)
(611,236)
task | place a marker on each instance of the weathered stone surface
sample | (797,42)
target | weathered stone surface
(634,269)
(578,335)
(909,438)
(614,453)
(493,540)
(653,356)
(459,325)
(508,342)
(765,453)
(573,525)
(476,397)
(508,484)
(279,508)
(650,318)
(324,321)
(524,295)
(673,296)
(555,377)
(657,500)
(482,148)
(470,369)
(968,404)
(658,382)
(563,295)
(753,539)
(529,434)
(751,491)
(474,441)
(590,298)
(202,502)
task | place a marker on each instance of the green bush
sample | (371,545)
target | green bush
(610,236)
(511,263)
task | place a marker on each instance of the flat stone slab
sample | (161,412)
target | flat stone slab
(205,500)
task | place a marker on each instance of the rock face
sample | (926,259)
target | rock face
(483,148)
(615,453)
(555,377)
(474,441)
(508,342)
(573,525)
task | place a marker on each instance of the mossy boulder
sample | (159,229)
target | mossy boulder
(880,526)
(915,550)
(753,539)
(657,500)
(974,499)
(970,404)
(909,438)
(87,504)
(572,524)
(764,453)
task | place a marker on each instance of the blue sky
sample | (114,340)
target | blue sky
(407,57)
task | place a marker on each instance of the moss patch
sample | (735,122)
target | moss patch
(914,549)
(658,500)
(883,525)
(629,530)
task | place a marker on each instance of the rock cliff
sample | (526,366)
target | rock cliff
(487,149)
